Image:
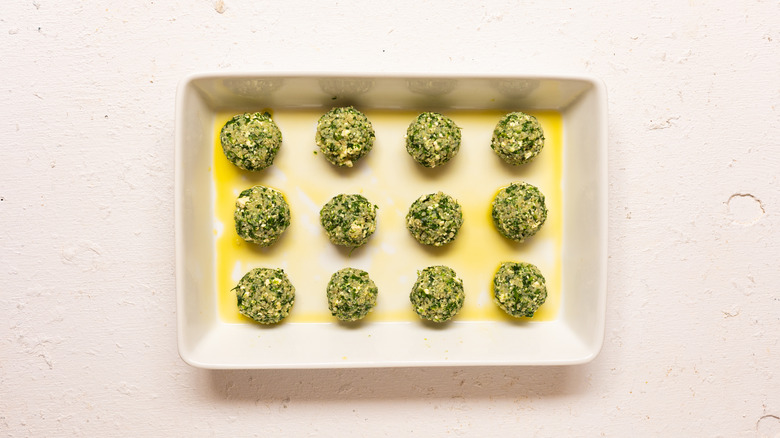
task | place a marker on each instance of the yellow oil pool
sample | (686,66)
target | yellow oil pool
(388,177)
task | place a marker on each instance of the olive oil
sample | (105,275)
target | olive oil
(391,179)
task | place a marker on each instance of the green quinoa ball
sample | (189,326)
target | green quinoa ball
(518,137)
(434,219)
(251,140)
(261,215)
(265,295)
(519,211)
(351,294)
(349,220)
(432,139)
(519,288)
(344,135)
(437,295)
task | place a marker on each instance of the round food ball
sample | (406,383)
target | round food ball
(251,140)
(344,135)
(519,211)
(432,139)
(519,288)
(261,215)
(349,220)
(265,295)
(517,139)
(434,219)
(437,295)
(351,294)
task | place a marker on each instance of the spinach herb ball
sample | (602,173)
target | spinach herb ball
(251,140)
(344,135)
(432,139)
(437,295)
(519,288)
(261,215)
(351,294)
(518,137)
(349,220)
(265,295)
(434,219)
(519,211)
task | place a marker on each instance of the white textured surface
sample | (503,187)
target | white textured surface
(87,322)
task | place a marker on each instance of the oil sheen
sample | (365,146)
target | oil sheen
(391,179)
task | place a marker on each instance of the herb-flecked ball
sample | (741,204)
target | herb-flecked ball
(251,140)
(344,135)
(261,215)
(432,139)
(265,295)
(518,138)
(351,294)
(434,219)
(519,211)
(437,295)
(519,289)
(348,220)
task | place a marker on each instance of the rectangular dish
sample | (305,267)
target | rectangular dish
(570,249)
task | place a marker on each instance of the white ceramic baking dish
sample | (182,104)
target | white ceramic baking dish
(573,335)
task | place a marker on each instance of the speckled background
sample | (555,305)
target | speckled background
(87,307)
